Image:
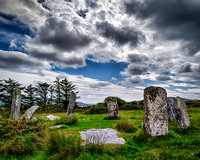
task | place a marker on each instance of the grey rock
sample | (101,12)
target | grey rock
(30,112)
(72,101)
(171,109)
(156,117)
(101,136)
(112,106)
(57,126)
(16,104)
(181,113)
(37,118)
(52,117)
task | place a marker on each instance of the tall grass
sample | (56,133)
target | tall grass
(67,120)
(125,126)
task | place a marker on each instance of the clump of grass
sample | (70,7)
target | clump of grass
(58,146)
(67,120)
(112,118)
(141,136)
(125,126)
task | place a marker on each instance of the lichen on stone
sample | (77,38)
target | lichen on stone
(152,92)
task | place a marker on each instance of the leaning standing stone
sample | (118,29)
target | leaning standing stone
(156,118)
(181,113)
(72,101)
(16,104)
(112,107)
(171,108)
(30,112)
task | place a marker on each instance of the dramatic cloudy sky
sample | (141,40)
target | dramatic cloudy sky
(105,47)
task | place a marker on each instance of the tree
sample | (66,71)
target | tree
(43,93)
(58,91)
(30,95)
(6,88)
(51,99)
(67,87)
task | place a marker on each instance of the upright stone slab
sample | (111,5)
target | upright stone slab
(112,107)
(16,104)
(156,117)
(170,108)
(72,101)
(181,113)
(30,112)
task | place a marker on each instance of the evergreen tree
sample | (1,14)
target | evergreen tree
(51,99)
(6,88)
(57,84)
(30,95)
(67,87)
(43,93)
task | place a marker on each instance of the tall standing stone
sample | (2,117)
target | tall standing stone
(16,104)
(72,101)
(156,117)
(181,113)
(171,108)
(30,112)
(112,106)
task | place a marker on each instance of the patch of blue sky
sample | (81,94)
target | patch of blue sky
(99,71)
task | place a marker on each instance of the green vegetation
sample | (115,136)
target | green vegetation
(33,140)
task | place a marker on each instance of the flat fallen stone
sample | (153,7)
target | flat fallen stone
(101,136)
(57,126)
(30,112)
(52,117)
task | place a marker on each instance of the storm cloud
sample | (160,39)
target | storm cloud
(137,58)
(134,69)
(175,19)
(121,35)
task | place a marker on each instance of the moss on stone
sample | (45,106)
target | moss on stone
(152,92)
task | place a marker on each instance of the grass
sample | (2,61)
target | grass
(177,144)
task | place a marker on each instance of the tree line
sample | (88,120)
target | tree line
(49,96)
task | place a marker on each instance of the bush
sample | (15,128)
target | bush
(58,146)
(67,120)
(125,126)
(98,109)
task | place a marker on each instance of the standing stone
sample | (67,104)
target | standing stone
(156,118)
(30,112)
(72,101)
(181,113)
(16,104)
(112,107)
(171,108)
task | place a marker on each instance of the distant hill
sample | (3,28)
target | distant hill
(81,104)
(185,99)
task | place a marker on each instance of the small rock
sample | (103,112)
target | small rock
(37,118)
(53,127)
(52,117)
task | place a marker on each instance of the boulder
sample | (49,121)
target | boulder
(171,109)
(181,113)
(16,104)
(101,136)
(52,117)
(156,117)
(72,101)
(112,106)
(30,112)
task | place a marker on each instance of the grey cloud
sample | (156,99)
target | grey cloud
(15,60)
(137,58)
(56,33)
(91,3)
(163,78)
(134,69)
(175,19)
(59,59)
(131,81)
(135,80)
(185,68)
(122,35)
(100,84)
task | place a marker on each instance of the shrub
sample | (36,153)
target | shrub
(125,126)
(67,120)
(58,146)
(98,109)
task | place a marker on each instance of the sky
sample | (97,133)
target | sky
(105,47)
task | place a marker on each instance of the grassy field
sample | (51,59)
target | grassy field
(178,144)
